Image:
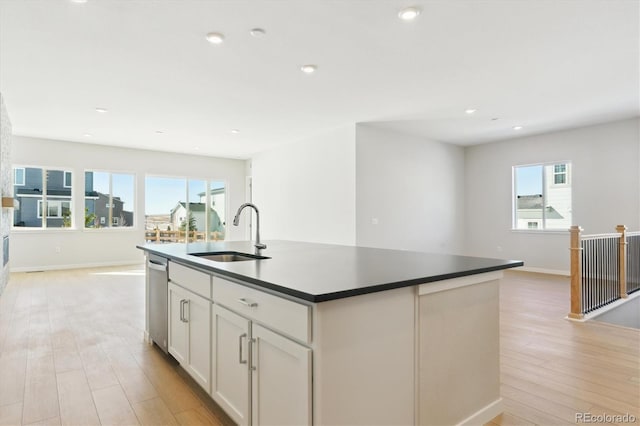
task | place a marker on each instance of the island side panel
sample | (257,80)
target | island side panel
(363,359)
(459,351)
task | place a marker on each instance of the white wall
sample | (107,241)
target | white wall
(63,248)
(6,188)
(605,186)
(413,187)
(306,191)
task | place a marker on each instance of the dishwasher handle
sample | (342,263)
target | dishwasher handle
(162,267)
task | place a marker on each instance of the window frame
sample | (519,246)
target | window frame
(514,194)
(107,224)
(208,181)
(45,198)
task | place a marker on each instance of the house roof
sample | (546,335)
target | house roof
(530,207)
(50,192)
(194,207)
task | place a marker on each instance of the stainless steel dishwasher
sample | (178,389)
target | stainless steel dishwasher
(158,289)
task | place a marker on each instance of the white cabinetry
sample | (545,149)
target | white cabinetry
(190,323)
(281,380)
(178,328)
(230,366)
(259,377)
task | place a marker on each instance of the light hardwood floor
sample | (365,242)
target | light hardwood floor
(72,352)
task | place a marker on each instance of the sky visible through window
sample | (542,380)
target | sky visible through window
(162,194)
(122,186)
(529,180)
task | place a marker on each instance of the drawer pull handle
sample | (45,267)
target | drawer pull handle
(245,302)
(242,361)
(183,317)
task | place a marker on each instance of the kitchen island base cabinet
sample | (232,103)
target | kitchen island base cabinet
(339,349)
(281,381)
(230,363)
(459,350)
(259,377)
(189,333)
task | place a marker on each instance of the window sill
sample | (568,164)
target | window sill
(540,231)
(26,230)
(112,229)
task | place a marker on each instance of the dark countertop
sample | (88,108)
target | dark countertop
(321,272)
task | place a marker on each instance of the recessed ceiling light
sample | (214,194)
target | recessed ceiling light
(87,135)
(309,68)
(78,1)
(257,32)
(409,13)
(197,148)
(495,119)
(517,127)
(235,131)
(101,110)
(159,132)
(470,111)
(215,38)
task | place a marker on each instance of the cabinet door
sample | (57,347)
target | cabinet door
(281,380)
(230,365)
(197,314)
(178,331)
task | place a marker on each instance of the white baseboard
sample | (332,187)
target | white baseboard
(485,414)
(543,271)
(73,266)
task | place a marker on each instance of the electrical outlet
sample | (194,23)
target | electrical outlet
(374,220)
(58,249)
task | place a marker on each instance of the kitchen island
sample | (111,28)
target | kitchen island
(326,334)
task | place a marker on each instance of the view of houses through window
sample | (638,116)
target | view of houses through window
(176,209)
(108,199)
(44,198)
(542,196)
(179,209)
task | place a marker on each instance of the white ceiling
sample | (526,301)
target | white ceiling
(542,64)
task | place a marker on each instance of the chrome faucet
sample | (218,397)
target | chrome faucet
(236,221)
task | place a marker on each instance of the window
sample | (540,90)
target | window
(18,176)
(44,198)
(542,196)
(184,209)
(559,174)
(55,208)
(67,179)
(108,199)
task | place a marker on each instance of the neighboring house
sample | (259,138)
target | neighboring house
(218,197)
(198,211)
(98,204)
(529,211)
(28,190)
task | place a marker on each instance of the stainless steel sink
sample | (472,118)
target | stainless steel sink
(228,256)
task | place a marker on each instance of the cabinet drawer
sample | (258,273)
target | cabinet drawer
(196,281)
(275,312)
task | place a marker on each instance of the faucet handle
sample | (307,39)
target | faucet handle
(260,246)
